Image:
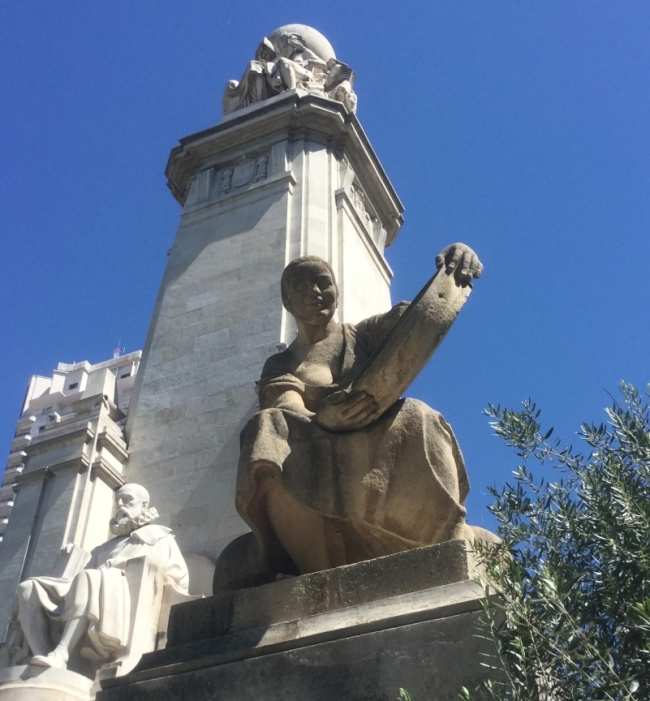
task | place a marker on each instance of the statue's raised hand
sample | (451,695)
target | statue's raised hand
(460,259)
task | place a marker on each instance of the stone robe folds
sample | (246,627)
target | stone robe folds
(104,597)
(396,484)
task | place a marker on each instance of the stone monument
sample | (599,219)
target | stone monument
(289,173)
(321,511)
(336,468)
(97,620)
(358,576)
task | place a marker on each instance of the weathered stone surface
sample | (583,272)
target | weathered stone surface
(294,598)
(334,467)
(419,330)
(425,641)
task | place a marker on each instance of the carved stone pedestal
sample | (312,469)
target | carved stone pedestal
(358,633)
(27,683)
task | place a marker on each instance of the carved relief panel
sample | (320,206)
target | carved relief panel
(360,203)
(229,178)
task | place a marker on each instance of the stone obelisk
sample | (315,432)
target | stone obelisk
(287,172)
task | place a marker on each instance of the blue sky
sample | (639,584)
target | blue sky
(518,127)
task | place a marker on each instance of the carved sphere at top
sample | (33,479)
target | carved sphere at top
(312,38)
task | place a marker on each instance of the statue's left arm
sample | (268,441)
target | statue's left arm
(457,259)
(403,347)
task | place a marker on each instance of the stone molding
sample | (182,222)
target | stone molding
(24,424)
(281,182)
(17,458)
(20,442)
(417,607)
(66,431)
(294,116)
(80,464)
(114,445)
(11,473)
(220,180)
(107,473)
(344,201)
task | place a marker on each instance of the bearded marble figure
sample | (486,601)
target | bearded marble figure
(327,476)
(90,614)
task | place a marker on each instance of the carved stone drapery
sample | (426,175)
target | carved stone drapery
(293,57)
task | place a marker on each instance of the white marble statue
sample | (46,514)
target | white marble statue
(293,56)
(92,613)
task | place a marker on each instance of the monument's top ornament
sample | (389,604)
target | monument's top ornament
(292,57)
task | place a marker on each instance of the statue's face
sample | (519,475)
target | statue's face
(131,510)
(312,294)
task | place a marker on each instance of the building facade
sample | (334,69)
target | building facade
(66,458)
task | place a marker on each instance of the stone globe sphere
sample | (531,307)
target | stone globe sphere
(312,38)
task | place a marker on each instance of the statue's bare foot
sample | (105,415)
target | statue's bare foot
(54,659)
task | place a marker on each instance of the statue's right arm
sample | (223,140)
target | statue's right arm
(279,388)
(282,398)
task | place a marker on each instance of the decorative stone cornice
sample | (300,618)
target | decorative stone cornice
(21,442)
(66,431)
(114,445)
(11,473)
(80,464)
(283,182)
(24,424)
(16,458)
(107,473)
(292,115)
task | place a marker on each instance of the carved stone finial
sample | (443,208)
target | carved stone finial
(292,57)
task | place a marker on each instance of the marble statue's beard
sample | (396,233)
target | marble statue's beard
(124,521)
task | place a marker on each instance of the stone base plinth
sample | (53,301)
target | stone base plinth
(27,683)
(358,633)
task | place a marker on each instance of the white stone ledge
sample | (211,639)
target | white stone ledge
(21,442)
(79,463)
(102,470)
(16,458)
(12,474)
(81,429)
(113,444)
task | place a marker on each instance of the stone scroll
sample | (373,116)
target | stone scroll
(413,340)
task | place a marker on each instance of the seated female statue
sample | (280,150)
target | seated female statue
(322,481)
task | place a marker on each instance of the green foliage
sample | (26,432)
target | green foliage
(571,619)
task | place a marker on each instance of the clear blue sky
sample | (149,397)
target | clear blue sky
(521,128)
